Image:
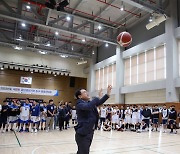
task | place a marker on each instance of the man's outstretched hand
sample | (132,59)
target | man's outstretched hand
(109,88)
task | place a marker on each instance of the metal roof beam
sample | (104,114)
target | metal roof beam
(77,6)
(19,11)
(104,8)
(101,31)
(73,31)
(144,6)
(82,18)
(57,20)
(61,51)
(48,16)
(7,6)
(81,25)
(36,14)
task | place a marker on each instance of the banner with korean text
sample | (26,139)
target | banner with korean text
(30,91)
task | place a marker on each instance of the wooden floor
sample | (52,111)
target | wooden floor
(114,142)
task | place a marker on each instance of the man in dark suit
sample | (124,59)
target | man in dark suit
(87,116)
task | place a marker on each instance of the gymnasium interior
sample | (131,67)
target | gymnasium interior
(51,48)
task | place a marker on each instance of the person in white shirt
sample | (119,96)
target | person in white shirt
(128,113)
(165,115)
(115,117)
(43,115)
(25,115)
(135,115)
(74,115)
(103,114)
(121,115)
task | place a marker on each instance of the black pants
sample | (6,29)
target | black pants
(146,122)
(61,123)
(102,120)
(84,143)
(3,121)
(66,123)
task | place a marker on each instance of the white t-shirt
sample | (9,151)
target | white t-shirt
(135,114)
(103,113)
(25,109)
(128,112)
(74,115)
(164,113)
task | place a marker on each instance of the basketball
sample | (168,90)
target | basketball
(124,39)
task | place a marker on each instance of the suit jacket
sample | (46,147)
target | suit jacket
(87,114)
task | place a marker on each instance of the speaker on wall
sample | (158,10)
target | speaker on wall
(72,82)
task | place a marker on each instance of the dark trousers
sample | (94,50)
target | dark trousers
(3,121)
(66,123)
(102,120)
(146,122)
(84,142)
(61,123)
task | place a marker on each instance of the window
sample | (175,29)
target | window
(127,72)
(134,70)
(160,63)
(150,68)
(113,75)
(141,68)
(97,80)
(106,76)
(145,67)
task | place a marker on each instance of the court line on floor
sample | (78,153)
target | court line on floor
(115,149)
(60,142)
(34,150)
(147,147)
(17,138)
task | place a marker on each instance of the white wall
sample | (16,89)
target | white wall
(111,100)
(153,96)
(54,61)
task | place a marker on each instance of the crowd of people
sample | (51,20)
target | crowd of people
(26,116)
(138,118)
(32,117)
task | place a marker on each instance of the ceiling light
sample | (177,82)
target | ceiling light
(2,68)
(68,18)
(150,19)
(48,44)
(54,74)
(81,62)
(36,43)
(32,72)
(157,20)
(122,6)
(20,38)
(99,27)
(17,48)
(56,33)
(28,7)
(106,45)
(83,40)
(42,52)
(64,56)
(23,24)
